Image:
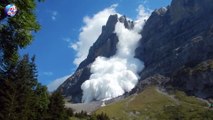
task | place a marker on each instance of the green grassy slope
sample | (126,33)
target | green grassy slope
(152,104)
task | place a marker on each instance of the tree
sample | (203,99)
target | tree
(81,115)
(8,103)
(17,90)
(18,79)
(69,112)
(41,102)
(25,80)
(102,116)
(16,32)
(21,96)
(56,110)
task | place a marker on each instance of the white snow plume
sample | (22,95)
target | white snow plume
(112,77)
(90,32)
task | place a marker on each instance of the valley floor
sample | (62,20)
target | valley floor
(87,107)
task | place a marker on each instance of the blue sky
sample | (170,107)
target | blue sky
(61,22)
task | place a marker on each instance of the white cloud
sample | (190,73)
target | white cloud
(48,73)
(54,14)
(143,15)
(74,46)
(56,83)
(112,77)
(66,39)
(53,18)
(143,12)
(145,1)
(90,32)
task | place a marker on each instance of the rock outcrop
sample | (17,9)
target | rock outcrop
(196,80)
(154,80)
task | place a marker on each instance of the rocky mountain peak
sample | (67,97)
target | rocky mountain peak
(104,46)
(127,23)
(160,11)
(110,25)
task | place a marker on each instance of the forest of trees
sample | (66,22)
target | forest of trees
(22,97)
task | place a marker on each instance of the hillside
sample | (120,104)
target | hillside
(155,104)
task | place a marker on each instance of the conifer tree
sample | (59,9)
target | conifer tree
(56,109)
(41,102)
(18,80)
(21,96)
(15,32)
(102,116)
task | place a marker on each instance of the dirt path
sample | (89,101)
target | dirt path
(131,114)
(176,100)
(131,99)
(166,94)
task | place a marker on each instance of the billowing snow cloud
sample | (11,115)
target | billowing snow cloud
(55,83)
(112,77)
(90,32)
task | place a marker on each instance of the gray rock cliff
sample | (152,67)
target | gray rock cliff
(176,37)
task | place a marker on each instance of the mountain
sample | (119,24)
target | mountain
(176,48)
(104,46)
(178,43)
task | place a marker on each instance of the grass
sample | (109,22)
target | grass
(115,109)
(181,96)
(154,105)
(73,118)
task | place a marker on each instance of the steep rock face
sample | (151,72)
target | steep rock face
(177,36)
(105,46)
(72,86)
(196,80)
